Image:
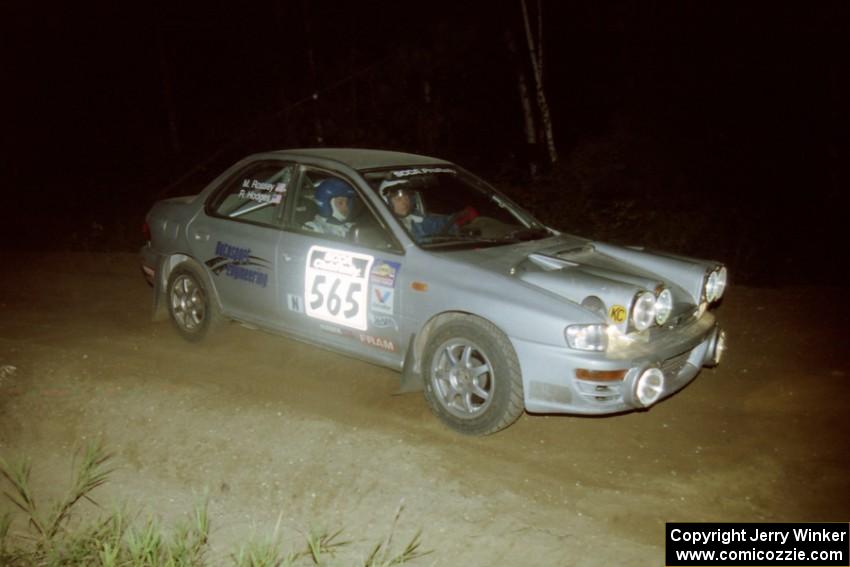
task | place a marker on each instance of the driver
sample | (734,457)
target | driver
(335,199)
(401,198)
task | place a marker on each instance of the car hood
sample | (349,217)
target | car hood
(603,278)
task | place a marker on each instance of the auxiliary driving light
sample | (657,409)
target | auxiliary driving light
(643,312)
(663,306)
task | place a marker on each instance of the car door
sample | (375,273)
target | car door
(236,238)
(341,283)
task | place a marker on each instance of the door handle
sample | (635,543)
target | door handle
(201,235)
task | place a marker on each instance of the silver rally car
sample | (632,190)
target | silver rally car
(412,263)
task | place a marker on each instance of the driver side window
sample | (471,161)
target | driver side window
(328,205)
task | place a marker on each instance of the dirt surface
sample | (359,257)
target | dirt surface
(274,428)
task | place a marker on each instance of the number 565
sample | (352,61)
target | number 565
(333,300)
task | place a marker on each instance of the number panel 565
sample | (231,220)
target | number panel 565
(336,286)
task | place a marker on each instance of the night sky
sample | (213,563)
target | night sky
(723,123)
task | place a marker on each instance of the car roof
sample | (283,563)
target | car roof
(361,159)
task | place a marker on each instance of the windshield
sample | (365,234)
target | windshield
(442,207)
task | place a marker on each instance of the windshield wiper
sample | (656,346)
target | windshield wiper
(443,240)
(518,235)
(526,234)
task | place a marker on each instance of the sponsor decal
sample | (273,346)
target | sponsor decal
(295,303)
(617,313)
(336,286)
(382,299)
(382,321)
(377,342)
(336,330)
(237,262)
(339,262)
(422,171)
(231,252)
(261,191)
(384,272)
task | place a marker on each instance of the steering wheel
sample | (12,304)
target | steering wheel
(458,219)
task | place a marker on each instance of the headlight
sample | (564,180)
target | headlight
(643,312)
(587,337)
(721,282)
(711,286)
(663,306)
(715,284)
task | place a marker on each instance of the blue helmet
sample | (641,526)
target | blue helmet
(328,189)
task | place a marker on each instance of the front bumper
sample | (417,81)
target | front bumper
(150,261)
(152,270)
(551,385)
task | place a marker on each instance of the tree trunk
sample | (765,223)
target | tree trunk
(168,92)
(535,50)
(314,76)
(355,123)
(528,122)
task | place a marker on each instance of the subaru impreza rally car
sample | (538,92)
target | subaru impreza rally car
(412,263)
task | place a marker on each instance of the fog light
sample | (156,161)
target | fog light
(649,386)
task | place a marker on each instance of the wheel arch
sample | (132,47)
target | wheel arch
(166,267)
(412,379)
(502,400)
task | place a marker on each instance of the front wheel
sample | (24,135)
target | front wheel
(473,381)
(190,304)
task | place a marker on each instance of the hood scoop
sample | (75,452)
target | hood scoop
(550,263)
(560,259)
(577,253)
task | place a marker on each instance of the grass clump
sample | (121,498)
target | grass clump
(53,539)
(320,548)
(54,536)
(382,554)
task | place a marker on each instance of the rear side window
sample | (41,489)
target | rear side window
(256,194)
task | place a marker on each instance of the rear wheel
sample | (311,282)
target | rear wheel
(473,381)
(190,304)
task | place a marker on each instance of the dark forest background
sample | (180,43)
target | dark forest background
(708,128)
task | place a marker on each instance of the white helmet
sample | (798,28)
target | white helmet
(392,187)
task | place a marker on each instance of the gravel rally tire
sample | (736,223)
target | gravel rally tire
(473,381)
(191,305)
